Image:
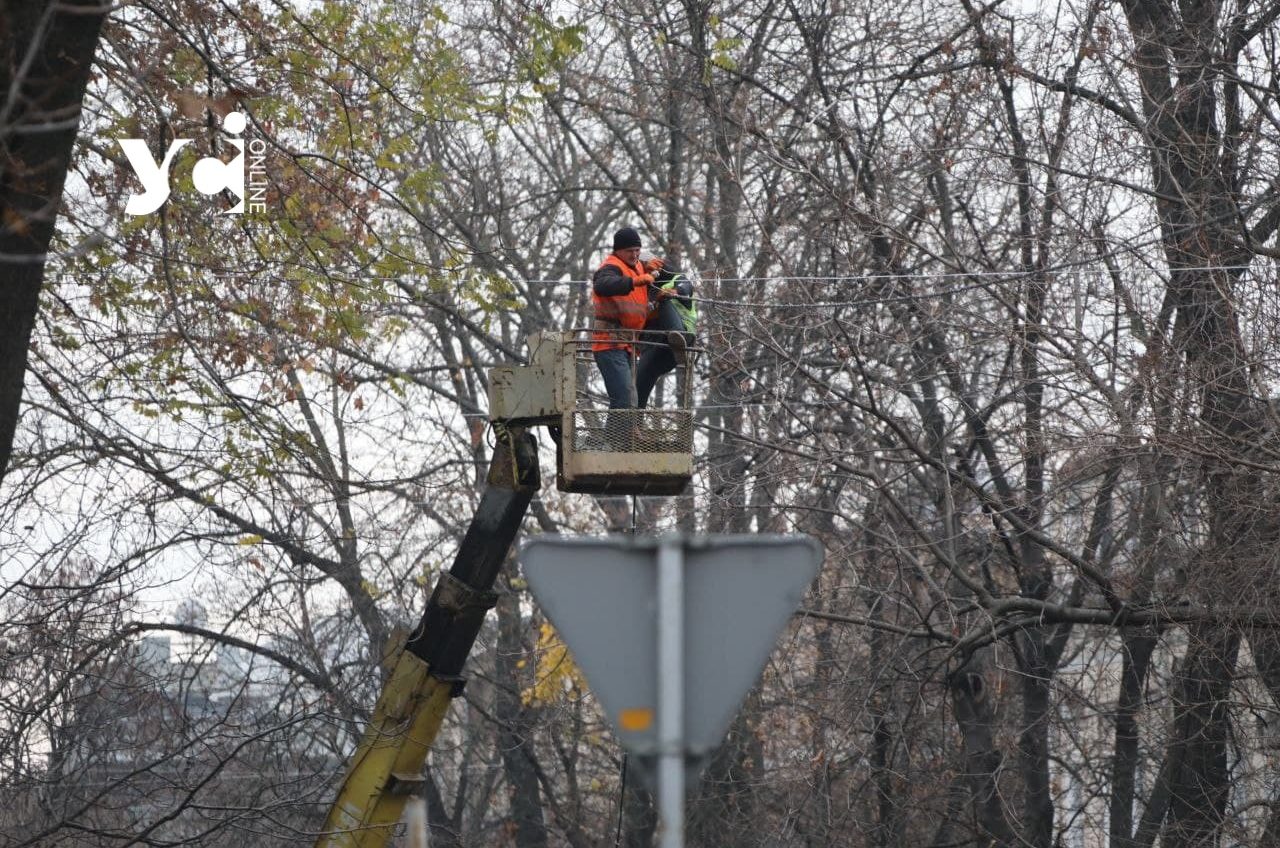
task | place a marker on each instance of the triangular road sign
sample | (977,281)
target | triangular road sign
(601,596)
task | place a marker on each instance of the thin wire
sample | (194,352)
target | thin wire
(76,276)
(770,405)
(922,275)
(986,279)
(827,304)
(622,800)
(698,276)
(821,304)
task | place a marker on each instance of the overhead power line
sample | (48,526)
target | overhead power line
(1063,270)
(981,279)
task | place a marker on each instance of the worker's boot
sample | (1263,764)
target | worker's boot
(679,347)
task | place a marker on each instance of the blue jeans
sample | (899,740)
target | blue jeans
(615,368)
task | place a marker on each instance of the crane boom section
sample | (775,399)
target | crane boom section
(387,765)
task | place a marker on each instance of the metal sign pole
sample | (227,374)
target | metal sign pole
(671,691)
(670,682)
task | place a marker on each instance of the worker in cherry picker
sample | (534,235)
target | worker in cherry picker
(624,297)
(670,326)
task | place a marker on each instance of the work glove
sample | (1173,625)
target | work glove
(644,280)
(654,265)
(666,294)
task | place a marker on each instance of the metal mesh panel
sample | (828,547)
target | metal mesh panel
(633,430)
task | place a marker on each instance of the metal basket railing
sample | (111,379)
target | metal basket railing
(589,385)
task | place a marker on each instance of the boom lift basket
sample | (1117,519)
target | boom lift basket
(599,451)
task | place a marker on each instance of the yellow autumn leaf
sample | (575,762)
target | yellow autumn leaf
(557,675)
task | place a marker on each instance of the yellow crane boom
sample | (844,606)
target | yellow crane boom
(619,451)
(387,765)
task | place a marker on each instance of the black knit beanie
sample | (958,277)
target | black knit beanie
(624,238)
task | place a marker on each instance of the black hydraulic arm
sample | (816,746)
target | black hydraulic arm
(388,763)
(456,611)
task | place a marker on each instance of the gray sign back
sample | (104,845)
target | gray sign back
(739,592)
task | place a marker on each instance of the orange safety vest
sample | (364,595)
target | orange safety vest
(619,312)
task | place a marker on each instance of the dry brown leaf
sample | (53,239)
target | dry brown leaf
(190,104)
(15,222)
(224,105)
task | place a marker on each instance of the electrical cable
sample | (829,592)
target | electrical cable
(1063,270)
(984,279)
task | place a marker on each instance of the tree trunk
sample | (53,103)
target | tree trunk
(639,814)
(37,131)
(1199,782)
(982,760)
(721,813)
(1137,655)
(1176,59)
(514,729)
